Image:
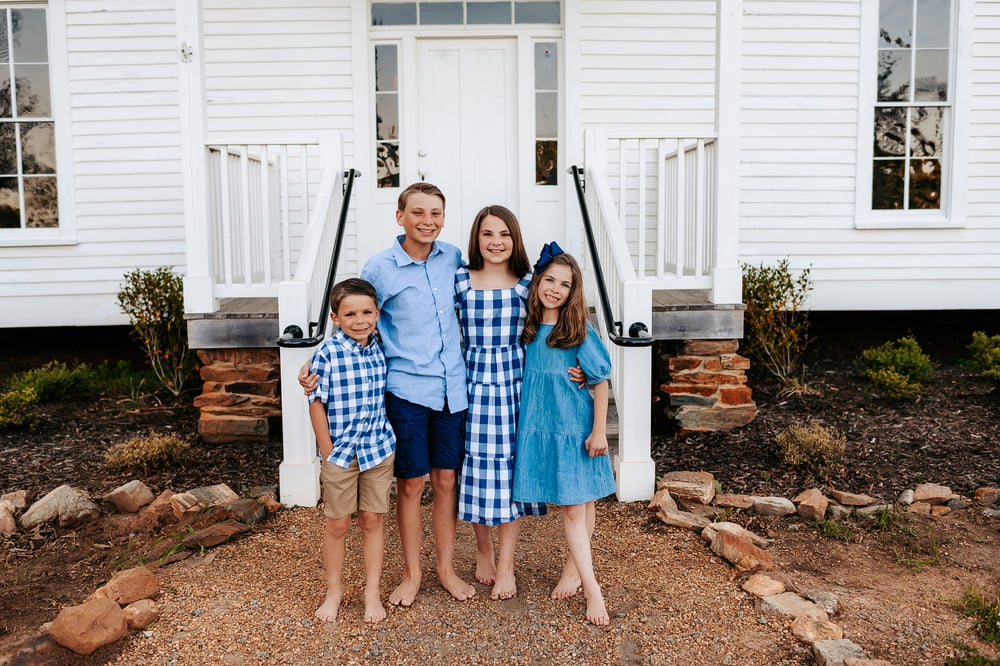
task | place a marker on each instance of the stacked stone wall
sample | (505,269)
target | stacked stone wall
(703,385)
(240,395)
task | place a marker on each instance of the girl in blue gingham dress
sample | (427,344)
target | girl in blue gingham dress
(492,318)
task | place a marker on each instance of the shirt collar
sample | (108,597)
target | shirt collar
(350,344)
(403,259)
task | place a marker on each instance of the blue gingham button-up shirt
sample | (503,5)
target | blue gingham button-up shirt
(352,386)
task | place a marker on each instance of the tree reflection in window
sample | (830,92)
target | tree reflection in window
(912,102)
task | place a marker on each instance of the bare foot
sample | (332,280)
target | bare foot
(597,614)
(327,612)
(374,610)
(456,587)
(505,588)
(486,569)
(405,593)
(567,587)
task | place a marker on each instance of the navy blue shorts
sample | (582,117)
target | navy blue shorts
(425,438)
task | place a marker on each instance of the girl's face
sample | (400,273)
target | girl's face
(495,242)
(554,286)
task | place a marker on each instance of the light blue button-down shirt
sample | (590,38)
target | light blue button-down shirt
(418,324)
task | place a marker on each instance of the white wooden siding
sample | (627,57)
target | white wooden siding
(799,126)
(122,83)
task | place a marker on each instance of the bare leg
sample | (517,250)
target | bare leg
(334,539)
(408,493)
(575,522)
(444,513)
(570,582)
(373,546)
(486,568)
(506,585)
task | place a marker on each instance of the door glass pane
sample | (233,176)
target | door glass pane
(925,184)
(933,23)
(390,13)
(441,13)
(893,75)
(38,147)
(41,205)
(30,43)
(887,185)
(546,121)
(386,68)
(6,109)
(546,70)
(890,132)
(10,204)
(895,23)
(4,46)
(931,76)
(8,150)
(387,164)
(546,158)
(536,12)
(386,116)
(33,91)
(926,131)
(486,13)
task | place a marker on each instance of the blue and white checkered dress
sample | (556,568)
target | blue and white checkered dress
(492,321)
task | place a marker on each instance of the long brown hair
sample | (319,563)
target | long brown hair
(519,264)
(571,327)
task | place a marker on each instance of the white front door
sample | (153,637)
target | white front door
(466,130)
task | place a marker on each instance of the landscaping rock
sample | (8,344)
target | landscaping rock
(809,629)
(8,525)
(215,534)
(855,661)
(202,498)
(760,585)
(812,504)
(698,486)
(983,495)
(835,511)
(851,499)
(871,511)
(67,505)
(130,497)
(740,552)
(142,613)
(17,498)
(86,627)
(835,652)
(683,519)
(791,605)
(734,501)
(773,506)
(906,497)
(922,508)
(825,600)
(932,493)
(128,586)
(662,501)
(708,534)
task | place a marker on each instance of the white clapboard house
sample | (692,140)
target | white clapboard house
(860,138)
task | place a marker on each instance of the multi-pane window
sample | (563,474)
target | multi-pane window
(387,115)
(28,196)
(491,12)
(912,104)
(546,114)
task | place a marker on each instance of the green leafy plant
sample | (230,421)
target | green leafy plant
(985,351)
(811,447)
(16,408)
(56,382)
(154,303)
(897,368)
(987,614)
(832,529)
(151,451)
(775,325)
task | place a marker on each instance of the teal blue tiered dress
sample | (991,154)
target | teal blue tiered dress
(556,417)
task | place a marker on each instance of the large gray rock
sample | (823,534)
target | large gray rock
(67,505)
(130,497)
(835,652)
(791,605)
(773,506)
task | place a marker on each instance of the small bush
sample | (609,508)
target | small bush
(985,351)
(151,451)
(16,408)
(812,447)
(56,382)
(987,614)
(897,368)
(776,328)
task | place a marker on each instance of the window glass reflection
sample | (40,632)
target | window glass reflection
(390,13)
(33,99)
(925,184)
(10,204)
(931,82)
(893,76)
(536,12)
(41,206)
(895,23)
(38,148)
(933,24)
(887,185)
(488,13)
(441,13)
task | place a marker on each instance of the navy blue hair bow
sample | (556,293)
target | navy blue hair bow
(549,250)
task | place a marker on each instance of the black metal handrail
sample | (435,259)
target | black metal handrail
(638,332)
(292,335)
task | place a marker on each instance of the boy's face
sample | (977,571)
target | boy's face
(423,218)
(356,316)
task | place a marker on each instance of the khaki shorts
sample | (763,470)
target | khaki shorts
(348,490)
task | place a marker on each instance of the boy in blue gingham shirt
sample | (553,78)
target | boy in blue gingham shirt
(355,439)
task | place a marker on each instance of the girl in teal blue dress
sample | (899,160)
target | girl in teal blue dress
(562,447)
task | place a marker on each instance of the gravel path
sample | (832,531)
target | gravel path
(252,602)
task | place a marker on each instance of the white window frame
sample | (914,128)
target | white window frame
(65,233)
(954,190)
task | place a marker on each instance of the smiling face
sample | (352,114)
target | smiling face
(495,241)
(554,288)
(422,221)
(356,316)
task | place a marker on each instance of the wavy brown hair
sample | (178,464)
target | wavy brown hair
(571,327)
(519,264)
(420,186)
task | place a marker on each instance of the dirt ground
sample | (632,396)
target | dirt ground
(251,601)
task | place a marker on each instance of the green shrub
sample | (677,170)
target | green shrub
(775,327)
(16,408)
(897,368)
(986,355)
(987,614)
(154,303)
(812,447)
(151,451)
(121,378)
(56,382)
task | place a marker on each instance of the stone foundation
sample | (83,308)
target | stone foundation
(703,385)
(240,394)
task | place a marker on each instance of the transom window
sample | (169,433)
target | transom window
(28,196)
(912,104)
(465,13)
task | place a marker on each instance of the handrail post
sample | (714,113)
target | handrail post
(635,470)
